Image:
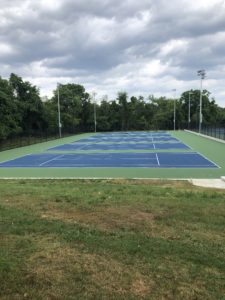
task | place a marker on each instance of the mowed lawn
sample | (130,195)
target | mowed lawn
(121,239)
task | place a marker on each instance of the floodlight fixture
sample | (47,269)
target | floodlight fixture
(201,73)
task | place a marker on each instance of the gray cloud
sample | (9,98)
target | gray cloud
(147,47)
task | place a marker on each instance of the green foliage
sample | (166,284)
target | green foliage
(212,114)
(74,106)
(9,117)
(104,122)
(29,104)
(23,112)
(124,110)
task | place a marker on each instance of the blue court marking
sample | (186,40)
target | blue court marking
(114,160)
(137,146)
(127,139)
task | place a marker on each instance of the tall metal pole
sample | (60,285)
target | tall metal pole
(59,116)
(189,109)
(95,122)
(201,73)
(174,110)
(200,108)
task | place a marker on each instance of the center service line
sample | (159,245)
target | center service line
(157,159)
(153,142)
(47,161)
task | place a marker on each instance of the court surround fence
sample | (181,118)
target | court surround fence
(213,131)
(26,139)
(21,140)
(16,141)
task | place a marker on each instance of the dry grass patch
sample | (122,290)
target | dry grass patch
(115,218)
(105,218)
(65,271)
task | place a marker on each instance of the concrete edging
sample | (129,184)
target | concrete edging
(209,183)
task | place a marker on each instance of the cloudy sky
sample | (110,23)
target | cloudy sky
(142,47)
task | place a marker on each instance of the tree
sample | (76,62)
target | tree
(115,116)
(22,110)
(210,111)
(29,104)
(73,102)
(103,120)
(163,109)
(150,110)
(87,114)
(9,117)
(136,120)
(124,112)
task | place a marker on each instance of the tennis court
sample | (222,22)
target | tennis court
(125,142)
(134,133)
(125,139)
(124,154)
(115,160)
(119,146)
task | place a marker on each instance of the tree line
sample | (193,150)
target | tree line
(22,110)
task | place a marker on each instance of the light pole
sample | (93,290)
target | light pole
(59,116)
(189,109)
(95,122)
(174,110)
(202,75)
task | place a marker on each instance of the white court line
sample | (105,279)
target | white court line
(180,141)
(157,159)
(153,142)
(208,159)
(193,166)
(189,166)
(51,160)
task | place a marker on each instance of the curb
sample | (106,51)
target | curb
(209,183)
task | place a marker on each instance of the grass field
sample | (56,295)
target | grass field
(121,239)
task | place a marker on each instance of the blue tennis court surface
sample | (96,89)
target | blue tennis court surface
(124,146)
(134,133)
(122,139)
(119,160)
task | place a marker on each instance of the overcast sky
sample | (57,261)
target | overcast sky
(142,47)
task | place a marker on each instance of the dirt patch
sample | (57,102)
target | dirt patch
(105,218)
(140,287)
(116,218)
(61,270)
